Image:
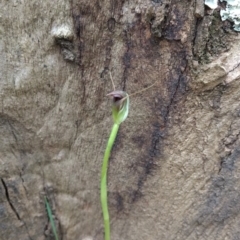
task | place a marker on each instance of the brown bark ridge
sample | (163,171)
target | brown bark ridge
(174,169)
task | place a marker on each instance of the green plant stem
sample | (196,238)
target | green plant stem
(50,215)
(104,200)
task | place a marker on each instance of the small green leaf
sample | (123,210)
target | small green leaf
(50,216)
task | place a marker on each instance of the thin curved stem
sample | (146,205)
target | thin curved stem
(104,200)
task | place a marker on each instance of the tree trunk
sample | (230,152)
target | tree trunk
(175,166)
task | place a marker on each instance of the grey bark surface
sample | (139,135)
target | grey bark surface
(174,169)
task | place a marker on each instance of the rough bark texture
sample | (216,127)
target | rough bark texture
(174,170)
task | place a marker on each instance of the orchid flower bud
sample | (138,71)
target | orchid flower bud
(120,106)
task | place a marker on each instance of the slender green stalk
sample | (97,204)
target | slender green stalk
(120,108)
(50,216)
(104,201)
(120,113)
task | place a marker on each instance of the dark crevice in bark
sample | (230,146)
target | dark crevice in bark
(236,66)
(225,161)
(126,58)
(9,200)
(222,199)
(148,163)
(172,99)
(111,24)
(197,23)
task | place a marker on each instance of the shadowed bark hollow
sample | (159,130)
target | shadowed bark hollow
(174,169)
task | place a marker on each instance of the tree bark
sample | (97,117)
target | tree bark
(174,168)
